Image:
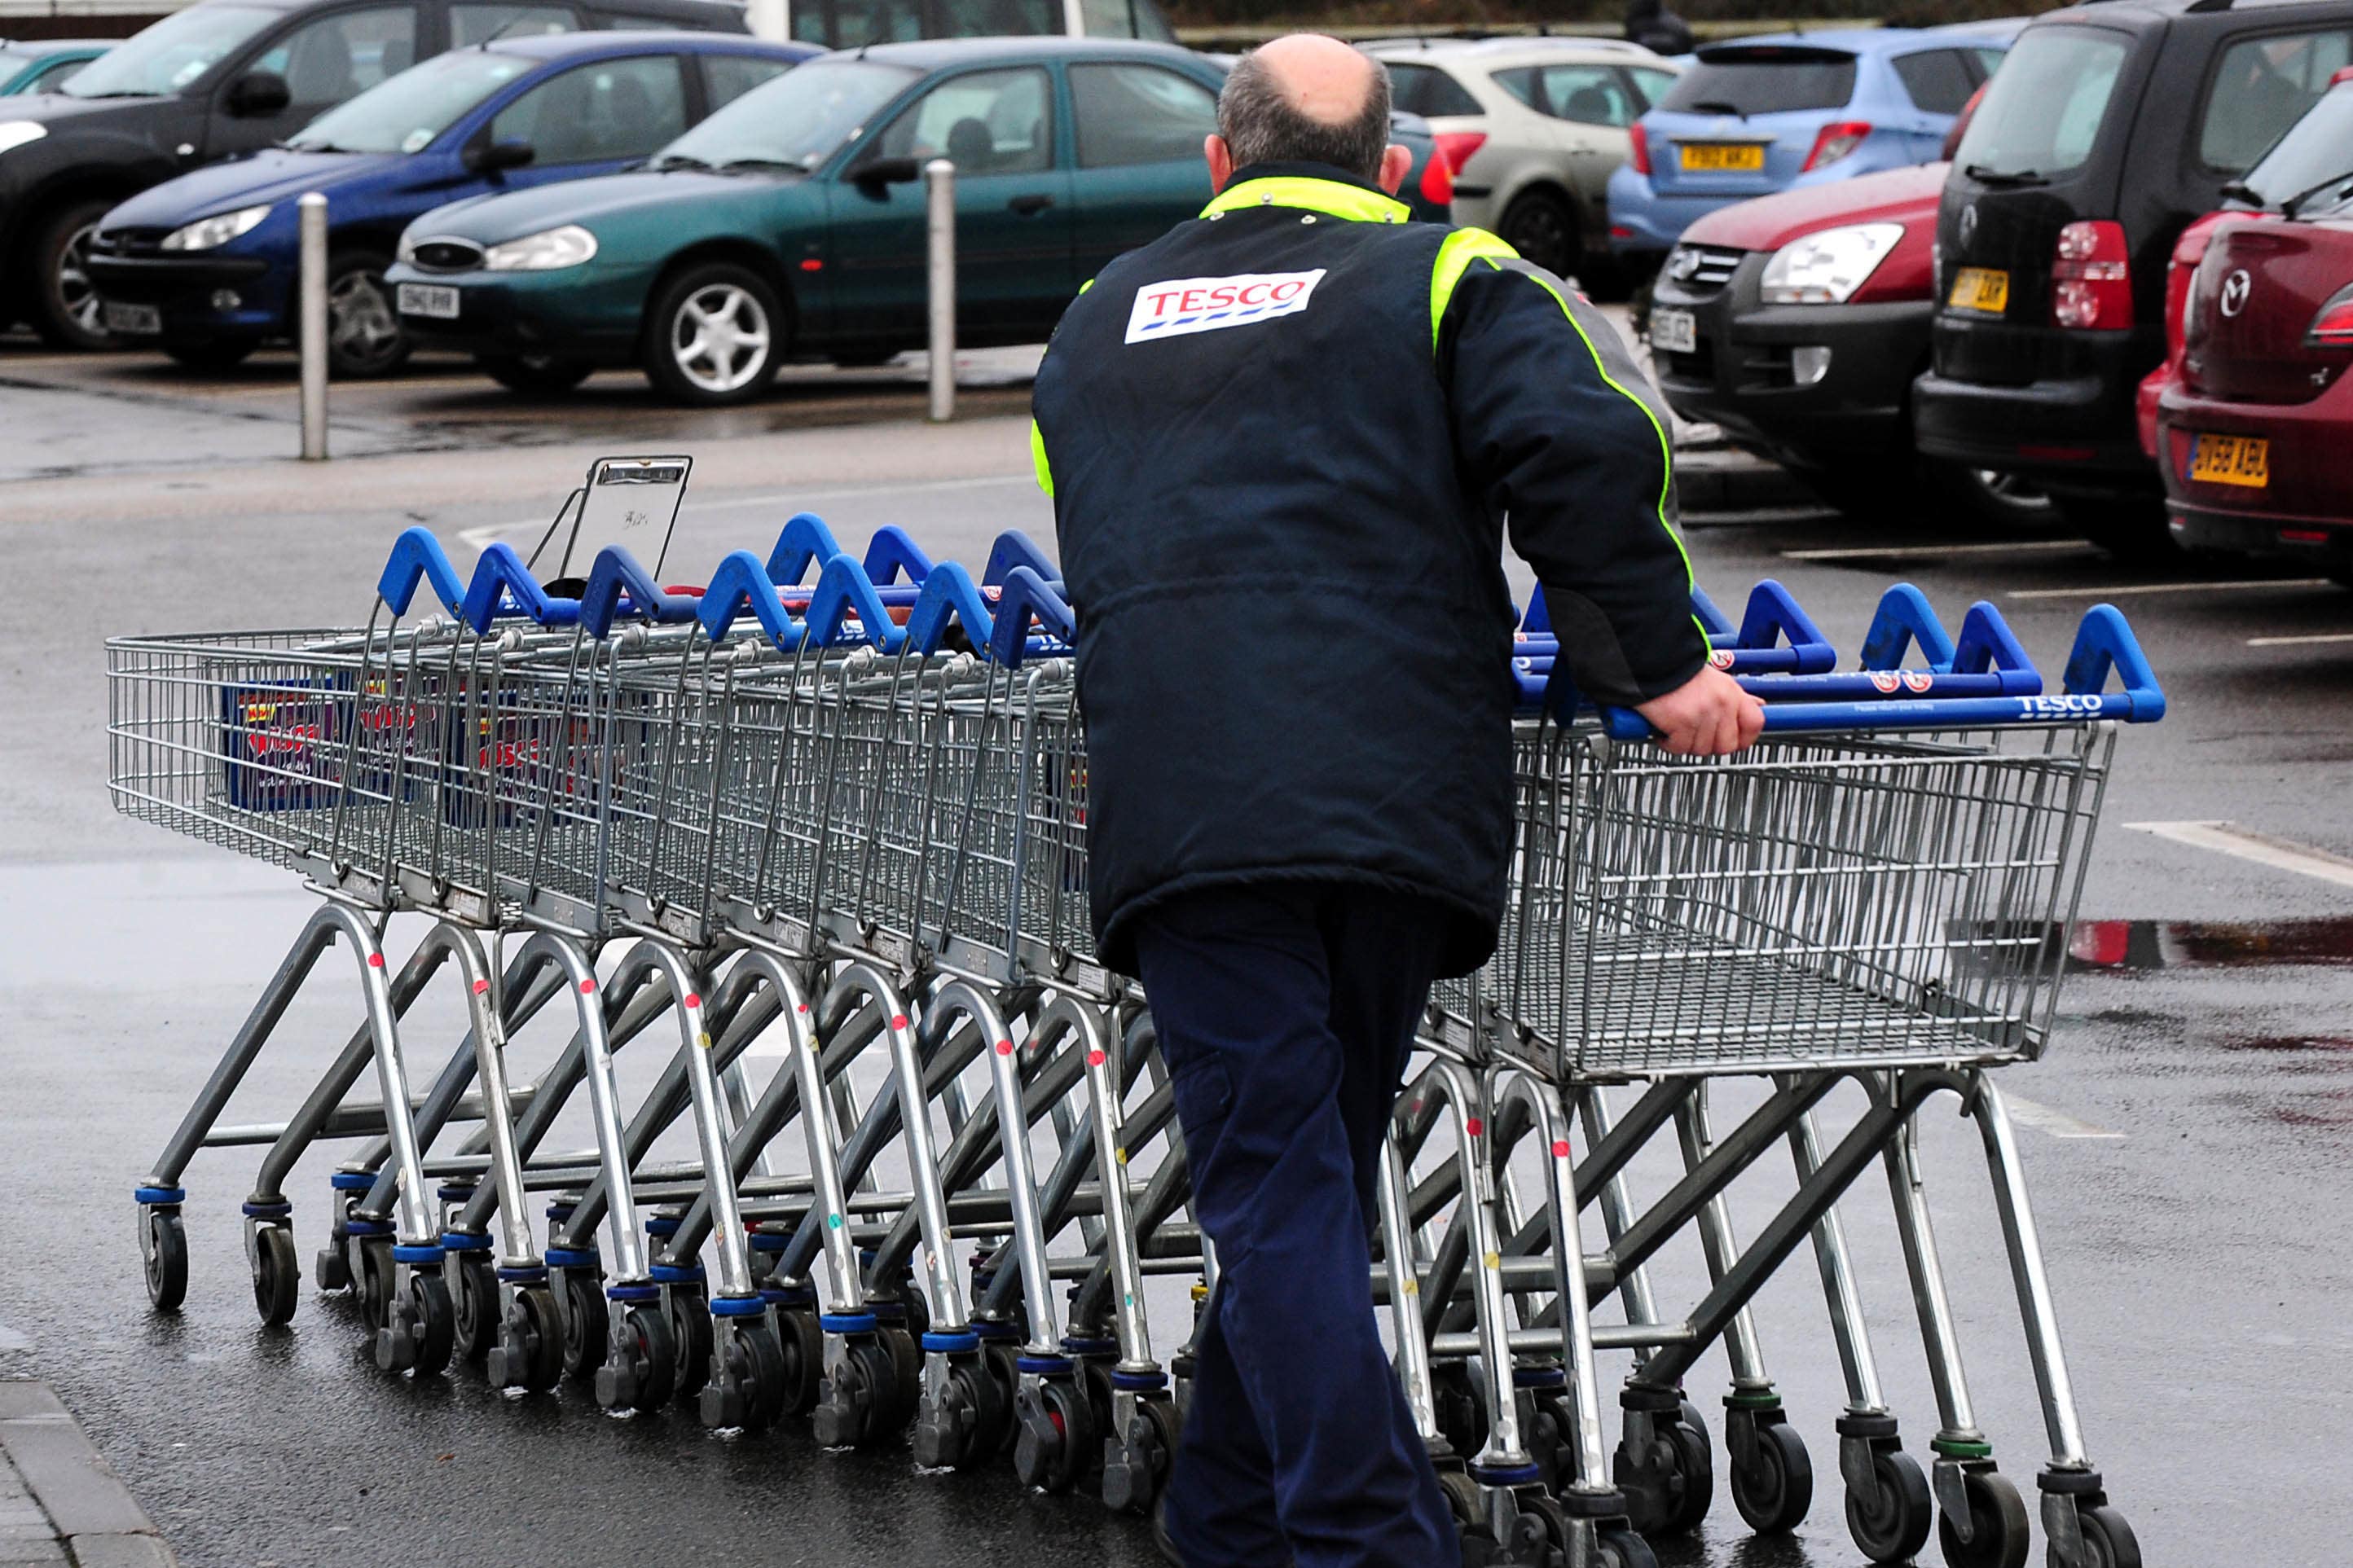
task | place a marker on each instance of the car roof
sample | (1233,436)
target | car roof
(1558,47)
(55,46)
(1853,40)
(622,40)
(932,54)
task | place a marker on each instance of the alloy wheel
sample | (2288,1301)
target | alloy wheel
(719,337)
(362,331)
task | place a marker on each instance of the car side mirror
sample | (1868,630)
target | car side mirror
(888,171)
(490,157)
(258,93)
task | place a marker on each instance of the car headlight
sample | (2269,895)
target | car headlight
(1826,269)
(209,233)
(16,133)
(543,252)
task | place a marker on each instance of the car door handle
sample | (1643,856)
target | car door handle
(1037,201)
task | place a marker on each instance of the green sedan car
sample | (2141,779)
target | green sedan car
(790,224)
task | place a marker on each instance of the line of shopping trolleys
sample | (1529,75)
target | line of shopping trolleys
(817,831)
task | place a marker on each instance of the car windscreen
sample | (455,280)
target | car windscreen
(2042,112)
(795,120)
(2317,151)
(170,55)
(1764,81)
(406,113)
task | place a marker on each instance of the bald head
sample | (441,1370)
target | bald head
(1305,99)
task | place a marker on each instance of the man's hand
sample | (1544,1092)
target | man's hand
(1706,716)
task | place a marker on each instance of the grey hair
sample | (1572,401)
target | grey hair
(1262,125)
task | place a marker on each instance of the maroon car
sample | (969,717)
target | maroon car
(2252,433)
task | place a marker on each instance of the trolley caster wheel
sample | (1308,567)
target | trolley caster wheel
(330,1265)
(1668,1480)
(689,1315)
(164,1256)
(959,1426)
(277,1274)
(1624,1549)
(1889,1524)
(476,1298)
(586,1324)
(640,1360)
(906,1379)
(1056,1437)
(801,1345)
(374,1279)
(857,1395)
(1466,1503)
(1772,1477)
(1461,1413)
(745,1388)
(2108,1541)
(530,1349)
(1135,1464)
(1998,1525)
(421,1327)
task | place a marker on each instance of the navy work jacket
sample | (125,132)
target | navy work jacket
(1284,443)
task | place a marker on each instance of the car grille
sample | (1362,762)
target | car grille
(129,242)
(1703,268)
(446,256)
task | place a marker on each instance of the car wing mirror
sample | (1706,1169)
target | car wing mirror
(881,172)
(490,157)
(258,93)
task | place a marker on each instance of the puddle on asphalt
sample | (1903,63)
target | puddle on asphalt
(2292,1043)
(2112,945)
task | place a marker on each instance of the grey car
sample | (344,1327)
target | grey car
(1533,128)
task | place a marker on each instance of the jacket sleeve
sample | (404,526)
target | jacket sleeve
(1552,428)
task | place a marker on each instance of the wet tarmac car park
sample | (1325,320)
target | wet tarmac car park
(2187,1135)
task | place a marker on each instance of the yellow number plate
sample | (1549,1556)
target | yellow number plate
(1983,288)
(2244,461)
(1724,157)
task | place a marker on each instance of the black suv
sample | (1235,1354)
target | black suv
(220,78)
(2111,125)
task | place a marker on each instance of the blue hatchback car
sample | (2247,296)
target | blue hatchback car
(204,266)
(1767,113)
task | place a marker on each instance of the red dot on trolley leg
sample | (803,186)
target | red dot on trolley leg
(898,1020)
(1474,1127)
(1560,1148)
(481,986)
(1094,1059)
(693,999)
(375,960)
(1004,1047)
(588,987)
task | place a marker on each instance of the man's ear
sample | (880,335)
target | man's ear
(1394,164)
(1220,159)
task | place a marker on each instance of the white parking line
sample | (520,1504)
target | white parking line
(2300,642)
(1911,552)
(2280,854)
(2053,1123)
(481,537)
(2123,590)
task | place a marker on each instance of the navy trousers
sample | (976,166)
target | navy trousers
(1285,1015)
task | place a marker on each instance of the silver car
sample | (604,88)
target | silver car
(1533,128)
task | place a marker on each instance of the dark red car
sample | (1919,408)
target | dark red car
(2255,413)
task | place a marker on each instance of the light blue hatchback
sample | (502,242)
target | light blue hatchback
(1764,114)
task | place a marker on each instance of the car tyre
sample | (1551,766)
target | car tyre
(364,337)
(544,374)
(210,356)
(64,303)
(1541,226)
(715,336)
(2131,528)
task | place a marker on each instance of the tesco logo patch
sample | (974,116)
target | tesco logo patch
(1183,305)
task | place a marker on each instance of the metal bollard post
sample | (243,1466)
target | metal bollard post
(939,203)
(312,331)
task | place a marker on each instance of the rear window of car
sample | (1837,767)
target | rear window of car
(2318,152)
(1763,81)
(2261,86)
(1588,94)
(2043,109)
(1427,90)
(1936,80)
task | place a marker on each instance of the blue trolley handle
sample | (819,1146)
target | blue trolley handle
(891,553)
(617,573)
(1718,626)
(1013,550)
(949,597)
(741,583)
(805,542)
(503,585)
(843,589)
(1025,594)
(2105,645)
(1773,618)
(1902,622)
(417,557)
